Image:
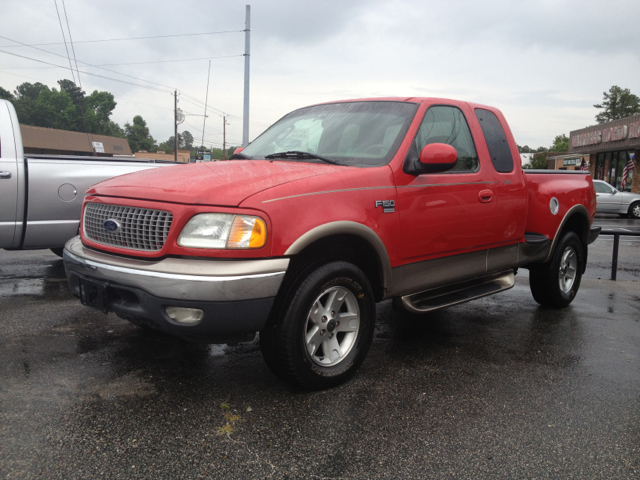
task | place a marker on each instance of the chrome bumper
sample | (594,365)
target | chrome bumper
(179,278)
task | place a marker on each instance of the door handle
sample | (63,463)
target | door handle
(5,175)
(485,196)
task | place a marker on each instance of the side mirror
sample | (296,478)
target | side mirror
(438,157)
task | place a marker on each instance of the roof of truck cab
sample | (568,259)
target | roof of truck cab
(411,100)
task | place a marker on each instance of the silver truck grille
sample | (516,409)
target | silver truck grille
(135,228)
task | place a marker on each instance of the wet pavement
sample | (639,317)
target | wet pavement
(496,388)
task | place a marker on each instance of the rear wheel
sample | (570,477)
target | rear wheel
(634,210)
(322,331)
(556,283)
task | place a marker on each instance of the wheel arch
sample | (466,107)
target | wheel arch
(576,220)
(349,241)
(630,208)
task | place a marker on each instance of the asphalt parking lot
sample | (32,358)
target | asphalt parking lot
(495,388)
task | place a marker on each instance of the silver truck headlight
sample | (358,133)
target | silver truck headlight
(222,230)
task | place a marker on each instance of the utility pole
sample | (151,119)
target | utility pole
(175,125)
(224,137)
(245,115)
(206,100)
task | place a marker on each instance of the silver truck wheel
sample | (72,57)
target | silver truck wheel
(321,326)
(568,269)
(556,283)
(332,326)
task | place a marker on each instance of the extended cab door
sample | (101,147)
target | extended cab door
(10,156)
(510,189)
(450,213)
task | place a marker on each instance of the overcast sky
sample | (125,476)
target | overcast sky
(543,63)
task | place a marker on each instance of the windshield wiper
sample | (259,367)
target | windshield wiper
(240,156)
(299,154)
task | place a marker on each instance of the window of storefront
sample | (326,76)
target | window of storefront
(610,167)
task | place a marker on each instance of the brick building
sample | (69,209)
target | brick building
(609,146)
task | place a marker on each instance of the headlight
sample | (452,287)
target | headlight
(220,230)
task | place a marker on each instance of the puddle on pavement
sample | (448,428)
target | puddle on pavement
(40,287)
(23,286)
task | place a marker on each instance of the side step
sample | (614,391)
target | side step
(442,297)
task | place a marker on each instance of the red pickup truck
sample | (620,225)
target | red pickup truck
(334,208)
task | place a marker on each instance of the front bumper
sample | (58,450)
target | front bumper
(235,295)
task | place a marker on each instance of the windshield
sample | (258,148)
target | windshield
(362,134)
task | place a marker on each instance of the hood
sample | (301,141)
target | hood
(225,183)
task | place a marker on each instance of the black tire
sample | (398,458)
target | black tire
(58,251)
(551,283)
(294,340)
(634,210)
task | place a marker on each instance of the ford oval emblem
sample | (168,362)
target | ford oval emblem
(111,225)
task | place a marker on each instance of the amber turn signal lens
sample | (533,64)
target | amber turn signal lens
(247,232)
(258,234)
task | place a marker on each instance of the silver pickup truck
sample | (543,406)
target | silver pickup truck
(41,195)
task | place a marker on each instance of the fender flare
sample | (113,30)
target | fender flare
(346,228)
(579,209)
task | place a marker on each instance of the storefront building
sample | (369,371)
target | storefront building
(610,146)
(571,161)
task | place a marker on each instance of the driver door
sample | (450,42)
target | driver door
(446,214)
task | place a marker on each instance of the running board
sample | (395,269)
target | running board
(442,297)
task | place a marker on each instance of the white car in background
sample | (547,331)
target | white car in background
(612,200)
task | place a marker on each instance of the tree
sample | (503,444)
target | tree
(168,145)
(560,144)
(25,97)
(75,92)
(98,108)
(186,140)
(29,90)
(525,149)
(112,129)
(138,135)
(5,94)
(538,161)
(68,108)
(617,103)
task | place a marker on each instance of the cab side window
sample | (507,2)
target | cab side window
(442,124)
(497,143)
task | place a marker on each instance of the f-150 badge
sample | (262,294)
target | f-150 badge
(388,206)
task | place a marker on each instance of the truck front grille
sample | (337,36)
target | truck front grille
(129,227)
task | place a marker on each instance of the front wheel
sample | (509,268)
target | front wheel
(634,210)
(556,283)
(320,334)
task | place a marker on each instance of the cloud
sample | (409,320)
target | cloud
(543,63)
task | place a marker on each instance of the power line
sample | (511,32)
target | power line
(65,41)
(129,38)
(167,61)
(85,63)
(24,76)
(140,63)
(71,42)
(87,73)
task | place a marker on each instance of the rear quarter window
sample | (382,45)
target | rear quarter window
(496,139)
